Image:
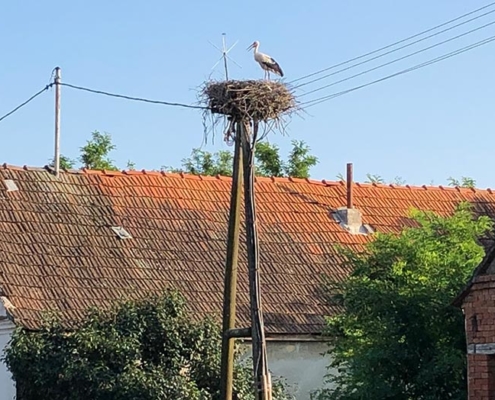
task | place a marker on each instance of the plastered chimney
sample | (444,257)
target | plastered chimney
(349,217)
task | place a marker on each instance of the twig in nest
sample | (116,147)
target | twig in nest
(249,100)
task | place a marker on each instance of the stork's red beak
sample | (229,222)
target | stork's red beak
(250,47)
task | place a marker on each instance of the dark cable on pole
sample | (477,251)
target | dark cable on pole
(26,102)
(121,96)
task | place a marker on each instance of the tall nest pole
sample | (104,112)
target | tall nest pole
(247,104)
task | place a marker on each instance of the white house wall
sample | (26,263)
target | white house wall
(7,387)
(301,363)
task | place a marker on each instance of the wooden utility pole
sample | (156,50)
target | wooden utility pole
(262,379)
(57,121)
(230,285)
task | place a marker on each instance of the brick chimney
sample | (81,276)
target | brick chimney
(348,217)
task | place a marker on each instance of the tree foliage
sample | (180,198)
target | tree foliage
(464,182)
(300,161)
(373,178)
(203,162)
(147,350)
(268,161)
(131,165)
(65,163)
(398,336)
(399,181)
(94,155)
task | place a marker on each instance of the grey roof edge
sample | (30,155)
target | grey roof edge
(480,269)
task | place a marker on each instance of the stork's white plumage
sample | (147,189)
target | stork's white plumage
(265,61)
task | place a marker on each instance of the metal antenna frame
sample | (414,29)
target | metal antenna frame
(228,134)
(225,55)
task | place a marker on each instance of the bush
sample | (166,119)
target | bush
(398,336)
(149,350)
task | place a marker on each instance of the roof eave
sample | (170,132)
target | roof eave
(481,269)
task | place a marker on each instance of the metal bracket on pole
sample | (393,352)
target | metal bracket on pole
(239,333)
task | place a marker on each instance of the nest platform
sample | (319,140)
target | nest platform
(253,100)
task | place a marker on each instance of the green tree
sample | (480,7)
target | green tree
(300,161)
(398,336)
(203,162)
(268,162)
(465,182)
(131,165)
(150,350)
(94,155)
(65,162)
(399,181)
(370,178)
(375,179)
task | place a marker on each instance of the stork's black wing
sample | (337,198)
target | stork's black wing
(273,66)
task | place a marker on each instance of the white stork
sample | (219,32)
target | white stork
(265,61)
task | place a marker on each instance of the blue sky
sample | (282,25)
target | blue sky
(425,126)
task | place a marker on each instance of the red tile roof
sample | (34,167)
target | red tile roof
(58,251)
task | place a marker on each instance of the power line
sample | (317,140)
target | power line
(26,102)
(399,42)
(399,59)
(314,102)
(397,49)
(121,96)
(422,65)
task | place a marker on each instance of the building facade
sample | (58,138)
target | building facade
(478,304)
(7,385)
(88,238)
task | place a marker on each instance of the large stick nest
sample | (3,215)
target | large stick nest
(252,100)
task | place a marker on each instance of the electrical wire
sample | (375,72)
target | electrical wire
(26,102)
(399,42)
(121,96)
(399,59)
(320,100)
(397,49)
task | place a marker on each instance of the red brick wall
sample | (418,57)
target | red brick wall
(479,311)
(481,376)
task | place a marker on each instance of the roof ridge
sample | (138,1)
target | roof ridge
(182,175)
